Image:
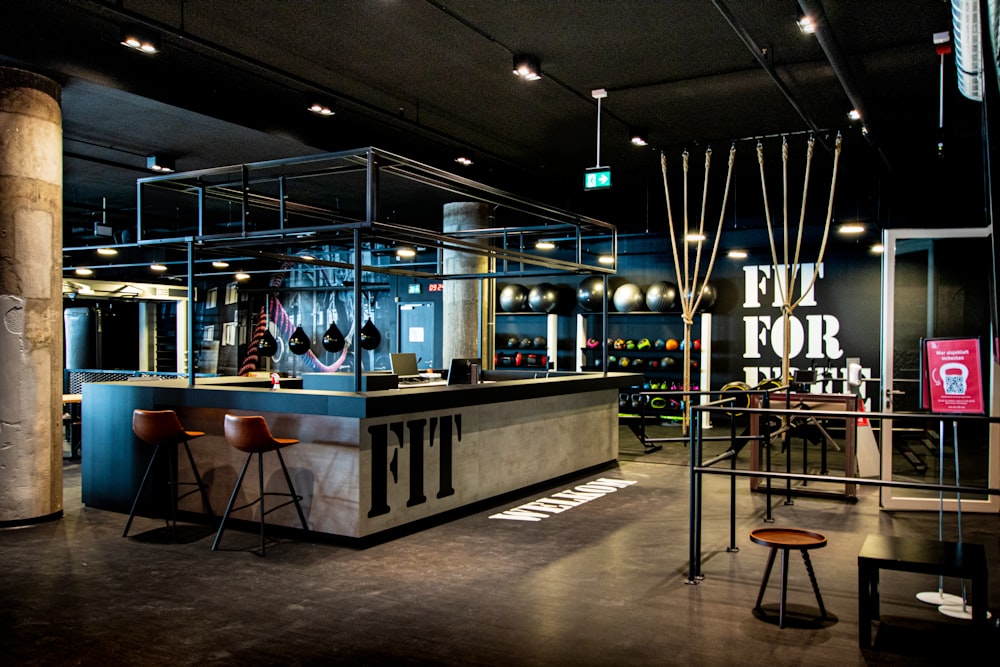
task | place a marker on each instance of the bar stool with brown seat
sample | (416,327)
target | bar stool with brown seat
(163,429)
(786,539)
(251,434)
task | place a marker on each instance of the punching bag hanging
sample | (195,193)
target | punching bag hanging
(299,342)
(333,340)
(267,346)
(370,337)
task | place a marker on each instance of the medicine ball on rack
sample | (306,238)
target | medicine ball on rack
(629,298)
(526,342)
(661,296)
(659,344)
(539,342)
(513,298)
(590,294)
(708,296)
(543,298)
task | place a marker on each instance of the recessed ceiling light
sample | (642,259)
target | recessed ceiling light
(219,264)
(242,276)
(84,271)
(464,161)
(851,228)
(737,254)
(638,137)
(854,114)
(158,267)
(694,238)
(405,252)
(527,67)
(805,23)
(321,110)
(878,249)
(160,163)
(140,39)
(606,259)
(545,245)
(107,251)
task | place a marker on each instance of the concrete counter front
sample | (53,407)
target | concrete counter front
(366,462)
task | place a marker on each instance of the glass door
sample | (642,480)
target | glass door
(936,284)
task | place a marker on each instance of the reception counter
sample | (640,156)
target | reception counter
(369,461)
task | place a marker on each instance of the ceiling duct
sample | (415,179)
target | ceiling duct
(968,48)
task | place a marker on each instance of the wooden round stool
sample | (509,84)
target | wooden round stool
(785,539)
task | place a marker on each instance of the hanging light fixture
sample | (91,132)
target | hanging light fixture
(140,39)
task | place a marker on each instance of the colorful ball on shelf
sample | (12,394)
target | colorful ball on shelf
(619,344)
(630,344)
(543,298)
(659,344)
(624,362)
(668,362)
(672,345)
(513,298)
(590,294)
(643,344)
(593,343)
(661,296)
(629,298)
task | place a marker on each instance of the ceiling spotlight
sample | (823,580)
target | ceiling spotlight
(854,114)
(242,276)
(545,245)
(606,259)
(159,268)
(527,67)
(107,251)
(84,271)
(140,39)
(877,249)
(638,137)
(160,163)
(321,110)
(737,254)
(464,161)
(405,252)
(219,264)
(694,238)
(851,228)
(805,23)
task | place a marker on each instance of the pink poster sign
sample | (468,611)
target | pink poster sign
(952,375)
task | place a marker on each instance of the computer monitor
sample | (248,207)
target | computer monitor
(404,364)
(460,371)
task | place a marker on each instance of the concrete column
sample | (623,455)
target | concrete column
(31,335)
(463,300)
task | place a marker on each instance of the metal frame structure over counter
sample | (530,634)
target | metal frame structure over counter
(366,200)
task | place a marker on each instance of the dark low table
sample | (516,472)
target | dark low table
(908,554)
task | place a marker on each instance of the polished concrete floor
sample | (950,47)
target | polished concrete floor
(602,583)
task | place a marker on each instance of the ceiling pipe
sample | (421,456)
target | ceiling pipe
(841,69)
(759,55)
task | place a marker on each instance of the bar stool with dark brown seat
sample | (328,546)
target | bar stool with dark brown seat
(163,429)
(785,539)
(251,434)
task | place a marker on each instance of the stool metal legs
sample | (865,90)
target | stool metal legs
(784,582)
(295,498)
(173,483)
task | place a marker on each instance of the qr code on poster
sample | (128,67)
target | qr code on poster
(954,384)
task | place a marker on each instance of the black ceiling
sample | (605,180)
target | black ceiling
(431,79)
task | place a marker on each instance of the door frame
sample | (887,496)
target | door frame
(896,502)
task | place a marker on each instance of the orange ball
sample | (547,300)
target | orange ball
(672,344)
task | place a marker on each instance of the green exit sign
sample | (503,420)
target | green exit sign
(597,178)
